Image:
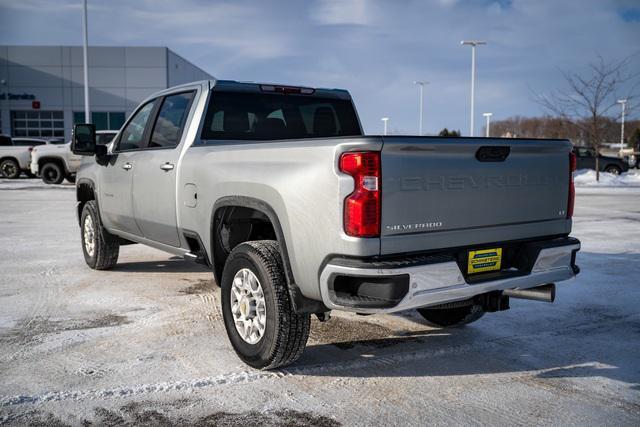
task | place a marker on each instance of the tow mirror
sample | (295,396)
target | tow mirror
(83,142)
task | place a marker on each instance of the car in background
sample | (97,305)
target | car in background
(586,159)
(55,162)
(13,159)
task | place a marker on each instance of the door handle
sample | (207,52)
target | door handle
(167,166)
(127,166)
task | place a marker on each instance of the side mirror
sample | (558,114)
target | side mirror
(83,142)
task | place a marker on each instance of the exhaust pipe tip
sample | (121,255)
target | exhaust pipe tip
(544,293)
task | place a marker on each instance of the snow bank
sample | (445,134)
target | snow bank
(587,178)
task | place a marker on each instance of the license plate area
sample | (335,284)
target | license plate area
(483,260)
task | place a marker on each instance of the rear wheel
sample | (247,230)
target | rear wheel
(52,173)
(259,318)
(452,317)
(613,169)
(10,169)
(100,248)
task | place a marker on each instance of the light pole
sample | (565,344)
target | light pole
(473,44)
(488,116)
(385,120)
(421,84)
(85,66)
(623,103)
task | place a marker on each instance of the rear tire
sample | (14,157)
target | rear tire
(10,169)
(52,173)
(100,248)
(452,317)
(254,293)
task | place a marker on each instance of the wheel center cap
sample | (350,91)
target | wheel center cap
(244,307)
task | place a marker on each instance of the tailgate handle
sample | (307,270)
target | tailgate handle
(492,153)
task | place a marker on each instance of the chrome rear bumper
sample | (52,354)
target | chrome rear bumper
(443,282)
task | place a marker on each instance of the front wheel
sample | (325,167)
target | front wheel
(10,168)
(100,247)
(259,318)
(452,317)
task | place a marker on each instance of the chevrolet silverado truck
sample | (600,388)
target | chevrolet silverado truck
(55,162)
(278,191)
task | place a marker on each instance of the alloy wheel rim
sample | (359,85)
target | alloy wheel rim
(89,236)
(8,169)
(248,306)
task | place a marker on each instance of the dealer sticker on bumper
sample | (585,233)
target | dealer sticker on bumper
(484,260)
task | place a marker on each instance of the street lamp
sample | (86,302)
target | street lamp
(623,103)
(85,65)
(421,84)
(488,116)
(385,120)
(473,44)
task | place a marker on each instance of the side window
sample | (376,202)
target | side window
(134,131)
(171,120)
(104,138)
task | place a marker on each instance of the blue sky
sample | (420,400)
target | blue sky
(373,48)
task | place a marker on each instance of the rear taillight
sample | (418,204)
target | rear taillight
(572,188)
(362,207)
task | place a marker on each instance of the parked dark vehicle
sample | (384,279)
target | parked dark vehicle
(586,159)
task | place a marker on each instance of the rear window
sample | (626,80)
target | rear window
(261,116)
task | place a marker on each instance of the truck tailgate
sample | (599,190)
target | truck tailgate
(449,192)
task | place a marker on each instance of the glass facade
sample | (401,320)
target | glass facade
(37,123)
(102,120)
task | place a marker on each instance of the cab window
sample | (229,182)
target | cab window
(170,123)
(133,133)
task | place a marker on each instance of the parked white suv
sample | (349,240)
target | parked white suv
(55,162)
(15,154)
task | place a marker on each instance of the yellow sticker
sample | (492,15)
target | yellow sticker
(484,260)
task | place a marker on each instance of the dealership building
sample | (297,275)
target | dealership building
(42,92)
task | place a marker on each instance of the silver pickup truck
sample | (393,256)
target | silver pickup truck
(278,191)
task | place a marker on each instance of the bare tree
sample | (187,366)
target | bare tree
(590,98)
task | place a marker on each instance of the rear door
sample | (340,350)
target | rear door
(447,192)
(154,177)
(116,203)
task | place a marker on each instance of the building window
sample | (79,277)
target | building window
(102,120)
(37,123)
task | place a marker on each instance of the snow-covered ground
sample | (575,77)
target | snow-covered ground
(587,178)
(145,343)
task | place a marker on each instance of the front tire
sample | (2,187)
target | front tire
(52,173)
(10,169)
(100,248)
(259,318)
(452,317)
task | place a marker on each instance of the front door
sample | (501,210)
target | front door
(154,176)
(116,201)
(585,159)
